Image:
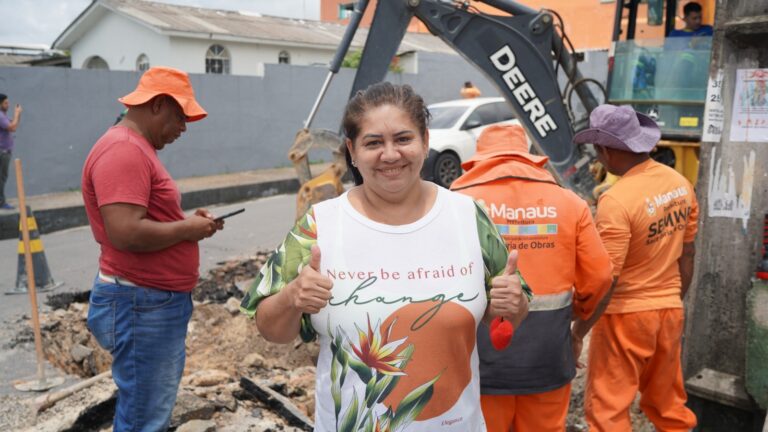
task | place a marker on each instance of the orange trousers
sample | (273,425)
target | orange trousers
(634,352)
(539,412)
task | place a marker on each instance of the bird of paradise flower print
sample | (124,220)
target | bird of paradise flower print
(378,364)
(377,352)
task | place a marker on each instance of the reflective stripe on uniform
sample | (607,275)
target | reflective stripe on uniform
(551,302)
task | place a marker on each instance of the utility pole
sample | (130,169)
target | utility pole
(725,345)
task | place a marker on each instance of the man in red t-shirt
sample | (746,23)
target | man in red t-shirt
(140,303)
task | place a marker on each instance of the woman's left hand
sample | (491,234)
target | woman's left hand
(507,297)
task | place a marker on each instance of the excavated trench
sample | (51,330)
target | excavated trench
(233,377)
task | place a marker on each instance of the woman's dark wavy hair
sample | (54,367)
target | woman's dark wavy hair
(376,95)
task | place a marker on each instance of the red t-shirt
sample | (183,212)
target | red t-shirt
(123,167)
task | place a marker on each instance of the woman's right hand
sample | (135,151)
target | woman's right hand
(507,299)
(310,291)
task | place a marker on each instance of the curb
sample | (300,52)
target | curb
(57,219)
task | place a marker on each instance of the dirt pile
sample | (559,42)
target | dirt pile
(223,347)
(222,282)
(69,345)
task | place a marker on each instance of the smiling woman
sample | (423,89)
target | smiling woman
(404,279)
(387,143)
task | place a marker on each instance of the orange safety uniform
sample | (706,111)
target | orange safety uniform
(644,220)
(526,387)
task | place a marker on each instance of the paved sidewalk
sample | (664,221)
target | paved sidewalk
(58,211)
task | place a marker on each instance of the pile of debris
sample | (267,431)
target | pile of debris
(229,279)
(234,380)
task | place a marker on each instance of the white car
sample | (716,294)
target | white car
(453,133)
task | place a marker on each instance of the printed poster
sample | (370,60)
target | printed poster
(749,122)
(714,113)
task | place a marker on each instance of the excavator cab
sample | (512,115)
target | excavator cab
(663,72)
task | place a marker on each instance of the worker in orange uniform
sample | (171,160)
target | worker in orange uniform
(527,386)
(647,221)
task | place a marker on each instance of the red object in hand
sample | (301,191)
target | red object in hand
(501,333)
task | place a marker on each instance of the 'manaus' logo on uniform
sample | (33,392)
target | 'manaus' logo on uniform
(522,212)
(664,198)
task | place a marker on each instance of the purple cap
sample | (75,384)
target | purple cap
(620,128)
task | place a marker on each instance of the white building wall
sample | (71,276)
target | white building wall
(303,56)
(188,54)
(120,41)
(245,58)
(409,62)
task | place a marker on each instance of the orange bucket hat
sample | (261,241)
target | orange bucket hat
(502,140)
(169,81)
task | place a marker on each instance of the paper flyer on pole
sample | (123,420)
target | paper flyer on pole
(713,110)
(749,119)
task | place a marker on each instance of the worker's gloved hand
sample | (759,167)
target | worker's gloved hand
(501,333)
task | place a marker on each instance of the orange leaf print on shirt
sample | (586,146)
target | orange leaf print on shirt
(443,346)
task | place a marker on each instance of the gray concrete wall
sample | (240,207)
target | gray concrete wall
(251,122)
(728,245)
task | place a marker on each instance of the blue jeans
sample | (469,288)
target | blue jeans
(144,329)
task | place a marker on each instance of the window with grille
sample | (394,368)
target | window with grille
(217,60)
(142,63)
(284,57)
(96,62)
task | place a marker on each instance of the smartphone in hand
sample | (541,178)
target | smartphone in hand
(224,216)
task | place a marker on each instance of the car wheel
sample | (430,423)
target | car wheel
(447,168)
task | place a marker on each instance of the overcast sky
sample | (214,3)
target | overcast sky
(41,21)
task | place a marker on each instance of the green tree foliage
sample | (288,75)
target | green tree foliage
(352,60)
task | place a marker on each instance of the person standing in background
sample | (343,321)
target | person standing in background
(141,302)
(693,26)
(469,91)
(647,222)
(7,127)
(527,386)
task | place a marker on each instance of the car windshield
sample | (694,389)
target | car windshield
(445,117)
